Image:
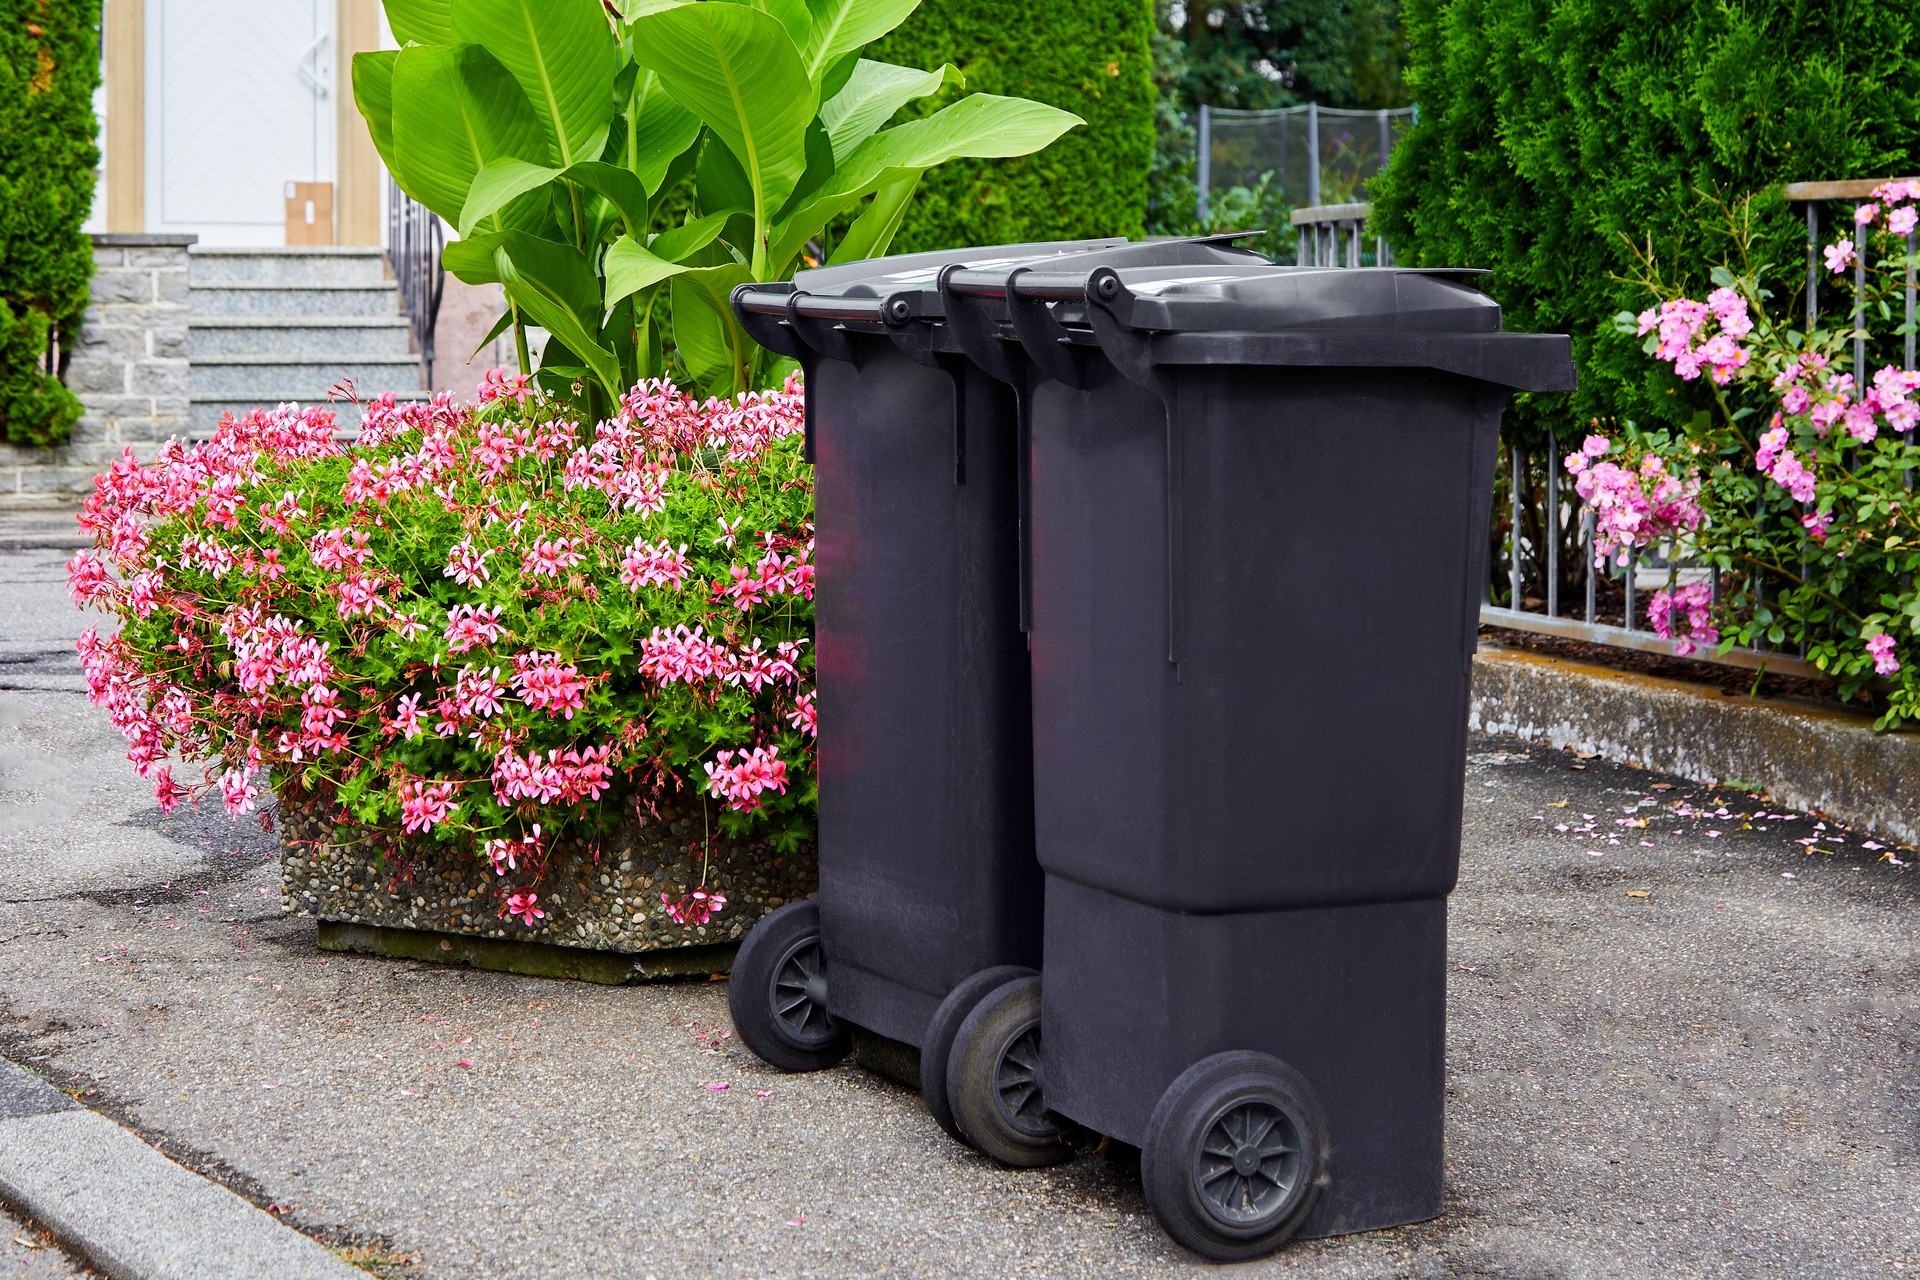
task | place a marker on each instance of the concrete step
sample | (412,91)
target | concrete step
(267,377)
(344,265)
(315,337)
(204,412)
(292,301)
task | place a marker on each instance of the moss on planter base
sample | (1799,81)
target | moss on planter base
(535,959)
(606,901)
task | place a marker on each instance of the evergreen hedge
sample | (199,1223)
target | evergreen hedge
(1555,133)
(1090,57)
(49,68)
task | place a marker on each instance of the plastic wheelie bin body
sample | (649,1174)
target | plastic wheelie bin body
(1260,503)
(927,868)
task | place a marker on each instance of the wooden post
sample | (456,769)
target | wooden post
(126,142)
(357,169)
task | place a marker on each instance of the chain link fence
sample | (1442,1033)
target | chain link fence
(1292,157)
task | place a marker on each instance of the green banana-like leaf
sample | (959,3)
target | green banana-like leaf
(980,125)
(713,346)
(873,93)
(630,268)
(555,286)
(880,221)
(791,14)
(503,181)
(373,94)
(565,57)
(842,26)
(455,111)
(471,258)
(739,71)
(658,129)
(682,242)
(421,21)
(500,326)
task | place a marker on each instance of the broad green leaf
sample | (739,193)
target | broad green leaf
(621,189)
(712,344)
(630,268)
(720,185)
(677,244)
(500,326)
(980,125)
(471,258)
(421,21)
(557,289)
(820,166)
(497,184)
(738,70)
(373,94)
(455,111)
(658,129)
(842,26)
(880,221)
(791,14)
(873,93)
(564,55)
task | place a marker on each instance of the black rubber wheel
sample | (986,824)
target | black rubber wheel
(778,992)
(1235,1156)
(940,1033)
(993,1079)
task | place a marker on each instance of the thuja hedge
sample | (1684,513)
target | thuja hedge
(49,67)
(1554,135)
(1090,57)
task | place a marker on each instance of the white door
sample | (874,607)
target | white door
(239,103)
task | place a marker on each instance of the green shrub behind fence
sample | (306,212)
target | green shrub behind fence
(1090,57)
(49,67)
(1552,132)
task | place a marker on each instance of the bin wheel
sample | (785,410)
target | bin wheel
(1235,1156)
(940,1034)
(778,992)
(993,1079)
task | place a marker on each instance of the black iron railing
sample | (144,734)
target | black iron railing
(414,241)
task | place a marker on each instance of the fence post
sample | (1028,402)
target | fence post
(1553,524)
(1859,310)
(1204,179)
(1813,263)
(1313,153)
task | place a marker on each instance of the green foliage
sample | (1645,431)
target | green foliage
(621,176)
(49,66)
(1090,57)
(1556,137)
(1256,54)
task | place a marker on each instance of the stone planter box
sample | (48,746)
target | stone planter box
(605,920)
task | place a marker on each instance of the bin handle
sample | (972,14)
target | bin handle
(760,310)
(1042,336)
(971,328)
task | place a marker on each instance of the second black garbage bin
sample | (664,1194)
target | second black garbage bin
(1260,503)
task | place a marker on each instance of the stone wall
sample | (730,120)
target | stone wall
(129,369)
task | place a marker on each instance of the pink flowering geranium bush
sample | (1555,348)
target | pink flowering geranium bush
(1795,489)
(486,627)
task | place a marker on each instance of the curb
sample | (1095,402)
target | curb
(1811,758)
(129,1210)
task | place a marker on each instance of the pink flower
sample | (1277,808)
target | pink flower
(237,792)
(425,805)
(168,792)
(406,717)
(339,548)
(654,564)
(477,691)
(522,904)
(740,783)
(1692,602)
(1839,256)
(1880,648)
(547,684)
(1816,522)
(1864,214)
(547,559)
(1901,221)
(472,626)
(465,565)
(696,908)
(496,384)
(505,853)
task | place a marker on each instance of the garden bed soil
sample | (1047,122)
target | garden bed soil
(1734,681)
(605,902)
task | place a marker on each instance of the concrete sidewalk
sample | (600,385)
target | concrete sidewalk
(1684,1048)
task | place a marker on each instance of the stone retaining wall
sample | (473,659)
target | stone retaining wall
(129,369)
(1804,756)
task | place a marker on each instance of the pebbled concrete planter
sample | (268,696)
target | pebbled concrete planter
(445,904)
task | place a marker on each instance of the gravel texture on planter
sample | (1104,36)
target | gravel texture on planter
(613,904)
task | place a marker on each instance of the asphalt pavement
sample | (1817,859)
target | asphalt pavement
(1683,1043)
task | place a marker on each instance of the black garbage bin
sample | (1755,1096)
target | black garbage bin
(1260,502)
(929,891)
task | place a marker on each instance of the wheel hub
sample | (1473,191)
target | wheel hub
(1246,1167)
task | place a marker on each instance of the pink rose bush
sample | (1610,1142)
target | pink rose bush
(1796,488)
(488,625)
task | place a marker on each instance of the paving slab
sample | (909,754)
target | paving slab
(28,1251)
(1682,1044)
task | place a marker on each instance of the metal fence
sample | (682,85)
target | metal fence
(414,241)
(1306,156)
(1544,535)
